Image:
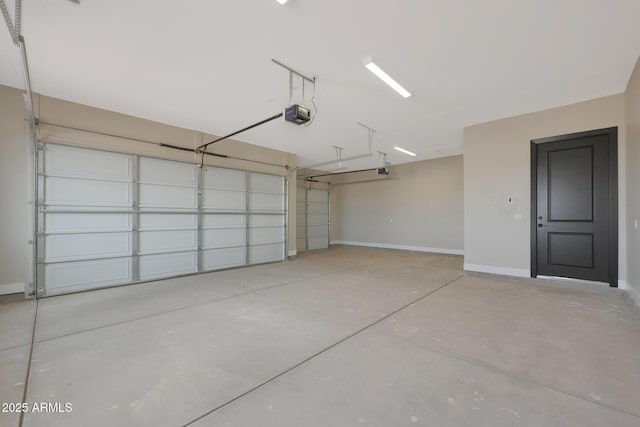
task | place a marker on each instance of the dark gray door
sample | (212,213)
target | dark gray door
(576,206)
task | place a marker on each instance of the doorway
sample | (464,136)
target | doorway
(574,206)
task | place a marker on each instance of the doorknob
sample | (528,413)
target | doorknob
(540,225)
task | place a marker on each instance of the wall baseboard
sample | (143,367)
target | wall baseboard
(633,293)
(293,253)
(503,271)
(11,288)
(400,247)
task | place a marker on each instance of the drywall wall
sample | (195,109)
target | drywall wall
(497,167)
(419,208)
(60,121)
(14,155)
(632,103)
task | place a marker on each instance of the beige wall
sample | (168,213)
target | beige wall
(14,155)
(497,166)
(632,98)
(15,159)
(419,208)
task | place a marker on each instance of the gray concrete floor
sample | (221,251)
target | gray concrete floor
(339,337)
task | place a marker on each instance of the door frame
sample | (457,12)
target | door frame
(612,133)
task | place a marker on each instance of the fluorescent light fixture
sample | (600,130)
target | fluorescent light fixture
(405,151)
(371,66)
(281,1)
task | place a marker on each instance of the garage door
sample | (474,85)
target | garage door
(110,219)
(312,219)
(301,219)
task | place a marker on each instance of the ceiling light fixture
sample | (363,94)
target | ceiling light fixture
(371,66)
(281,1)
(405,151)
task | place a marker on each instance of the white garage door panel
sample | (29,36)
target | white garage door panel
(261,183)
(162,196)
(266,221)
(224,221)
(317,243)
(167,172)
(168,222)
(318,196)
(167,241)
(266,253)
(223,238)
(215,259)
(79,192)
(259,236)
(167,265)
(317,230)
(78,162)
(65,247)
(317,209)
(224,179)
(66,222)
(76,276)
(266,202)
(224,200)
(317,220)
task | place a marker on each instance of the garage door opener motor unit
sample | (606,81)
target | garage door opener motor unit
(297,114)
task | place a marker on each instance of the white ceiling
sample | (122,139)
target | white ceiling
(206,65)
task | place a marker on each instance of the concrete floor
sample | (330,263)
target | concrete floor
(340,337)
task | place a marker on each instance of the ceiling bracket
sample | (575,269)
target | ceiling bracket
(371,132)
(339,155)
(331,162)
(311,80)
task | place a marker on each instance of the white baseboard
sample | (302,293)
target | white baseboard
(293,253)
(503,271)
(633,293)
(399,247)
(11,288)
